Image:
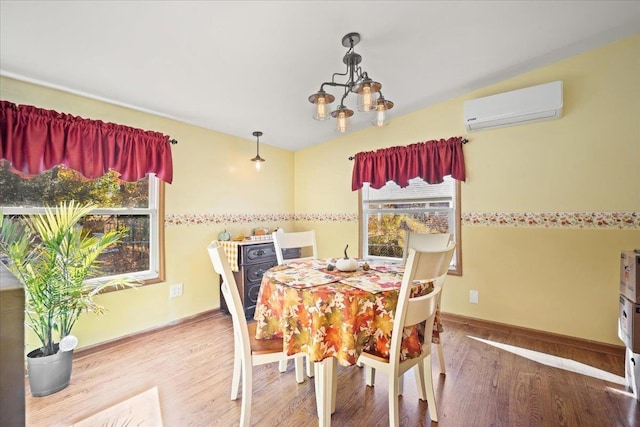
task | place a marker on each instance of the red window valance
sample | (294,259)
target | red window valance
(34,140)
(431,161)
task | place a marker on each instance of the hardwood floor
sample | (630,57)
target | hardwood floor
(485,385)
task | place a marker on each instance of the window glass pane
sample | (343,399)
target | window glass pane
(131,253)
(61,184)
(388,231)
(417,189)
(390,212)
(132,207)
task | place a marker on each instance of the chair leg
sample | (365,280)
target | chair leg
(235,379)
(247,392)
(400,385)
(369,375)
(418,371)
(443,367)
(310,368)
(394,389)
(298,363)
(428,380)
(282,366)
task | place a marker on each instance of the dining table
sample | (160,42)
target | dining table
(334,315)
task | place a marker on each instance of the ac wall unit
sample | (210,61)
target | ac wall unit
(531,104)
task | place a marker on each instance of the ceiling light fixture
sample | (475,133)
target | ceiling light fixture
(370,97)
(259,160)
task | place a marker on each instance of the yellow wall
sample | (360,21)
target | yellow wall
(212,177)
(558,279)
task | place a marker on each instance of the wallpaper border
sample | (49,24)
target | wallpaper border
(618,220)
(607,220)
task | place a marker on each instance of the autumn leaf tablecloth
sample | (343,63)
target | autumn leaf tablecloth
(338,318)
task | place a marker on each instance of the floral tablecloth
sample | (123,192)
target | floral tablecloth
(328,313)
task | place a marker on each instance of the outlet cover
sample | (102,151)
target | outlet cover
(175,290)
(473,297)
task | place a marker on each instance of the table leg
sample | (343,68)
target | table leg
(326,388)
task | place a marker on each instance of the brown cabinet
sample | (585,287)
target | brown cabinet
(254,259)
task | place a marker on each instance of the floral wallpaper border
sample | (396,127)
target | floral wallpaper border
(554,219)
(206,219)
(619,220)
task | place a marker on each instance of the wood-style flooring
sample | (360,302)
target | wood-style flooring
(485,385)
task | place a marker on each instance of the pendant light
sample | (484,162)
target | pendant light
(257,159)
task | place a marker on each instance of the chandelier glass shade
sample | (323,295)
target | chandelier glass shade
(369,92)
(257,159)
(381,117)
(342,114)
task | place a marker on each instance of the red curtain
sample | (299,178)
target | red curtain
(34,140)
(430,160)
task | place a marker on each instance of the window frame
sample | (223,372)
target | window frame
(457,232)
(155,211)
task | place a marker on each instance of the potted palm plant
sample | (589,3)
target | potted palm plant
(53,256)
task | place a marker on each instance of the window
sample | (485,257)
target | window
(389,212)
(133,206)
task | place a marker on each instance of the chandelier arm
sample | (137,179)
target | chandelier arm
(346,92)
(333,77)
(333,84)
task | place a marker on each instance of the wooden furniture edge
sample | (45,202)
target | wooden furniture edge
(550,337)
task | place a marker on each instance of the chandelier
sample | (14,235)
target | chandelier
(370,97)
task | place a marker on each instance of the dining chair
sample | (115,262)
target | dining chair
(430,242)
(411,311)
(424,242)
(248,351)
(304,240)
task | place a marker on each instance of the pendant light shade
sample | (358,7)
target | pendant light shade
(367,91)
(321,105)
(257,159)
(343,123)
(381,115)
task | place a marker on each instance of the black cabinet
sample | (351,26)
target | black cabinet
(254,259)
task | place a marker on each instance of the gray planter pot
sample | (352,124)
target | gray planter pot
(48,374)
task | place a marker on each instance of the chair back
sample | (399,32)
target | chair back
(425,242)
(299,239)
(422,266)
(232,297)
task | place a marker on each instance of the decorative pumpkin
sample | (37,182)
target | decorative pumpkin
(346,263)
(224,236)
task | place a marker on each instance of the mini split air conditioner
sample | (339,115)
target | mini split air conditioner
(531,104)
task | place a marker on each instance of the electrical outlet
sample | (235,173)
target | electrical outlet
(175,290)
(473,297)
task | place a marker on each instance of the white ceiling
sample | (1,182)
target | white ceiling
(240,66)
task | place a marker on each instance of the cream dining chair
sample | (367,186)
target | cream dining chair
(248,351)
(306,242)
(411,311)
(430,242)
(425,241)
